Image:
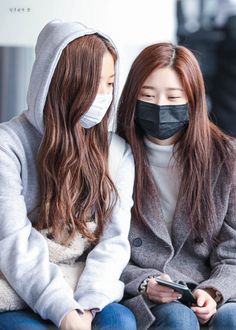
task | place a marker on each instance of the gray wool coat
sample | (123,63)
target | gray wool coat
(154,251)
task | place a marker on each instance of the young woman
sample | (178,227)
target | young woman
(184,215)
(54,178)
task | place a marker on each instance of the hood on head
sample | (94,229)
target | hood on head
(54,37)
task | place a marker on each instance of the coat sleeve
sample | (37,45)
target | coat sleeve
(24,259)
(133,276)
(99,283)
(223,257)
(133,299)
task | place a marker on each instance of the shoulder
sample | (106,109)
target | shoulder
(17,134)
(117,143)
(119,149)
(10,142)
(18,138)
(7,131)
(121,162)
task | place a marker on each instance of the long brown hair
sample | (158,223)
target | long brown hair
(73,161)
(201,148)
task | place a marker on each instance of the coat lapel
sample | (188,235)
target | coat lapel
(180,226)
(156,222)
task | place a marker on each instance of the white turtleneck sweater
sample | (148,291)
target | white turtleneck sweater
(166,176)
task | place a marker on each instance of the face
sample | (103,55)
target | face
(163,87)
(106,83)
(104,95)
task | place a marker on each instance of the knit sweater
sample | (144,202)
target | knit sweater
(166,176)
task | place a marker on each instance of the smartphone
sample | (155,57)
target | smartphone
(187,296)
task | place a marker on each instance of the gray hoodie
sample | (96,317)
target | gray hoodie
(24,256)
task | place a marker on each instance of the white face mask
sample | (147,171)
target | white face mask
(97,110)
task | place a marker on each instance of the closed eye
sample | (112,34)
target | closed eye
(147,95)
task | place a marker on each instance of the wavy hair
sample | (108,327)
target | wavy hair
(74,181)
(200,150)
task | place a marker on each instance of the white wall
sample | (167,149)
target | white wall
(132,24)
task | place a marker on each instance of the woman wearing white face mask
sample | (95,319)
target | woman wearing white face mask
(60,203)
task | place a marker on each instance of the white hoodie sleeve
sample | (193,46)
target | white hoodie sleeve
(99,283)
(24,256)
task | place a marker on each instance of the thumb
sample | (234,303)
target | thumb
(200,297)
(165,277)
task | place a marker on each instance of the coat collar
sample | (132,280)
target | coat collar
(180,226)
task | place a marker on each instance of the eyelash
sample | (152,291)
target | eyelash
(148,96)
(169,97)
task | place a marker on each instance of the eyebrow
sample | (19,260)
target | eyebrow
(111,76)
(169,89)
(175,89)
(148,87)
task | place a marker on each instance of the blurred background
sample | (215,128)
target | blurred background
(207,27)
(131,24)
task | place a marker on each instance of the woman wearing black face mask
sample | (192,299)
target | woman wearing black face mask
(184,215)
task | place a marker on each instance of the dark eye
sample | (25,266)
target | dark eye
(174,97)
(147,95)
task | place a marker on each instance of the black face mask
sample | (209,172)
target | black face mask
(161,121)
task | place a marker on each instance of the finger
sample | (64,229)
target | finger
(165,277)
(163,297)
(153,286)
(201,310)
(162,288)
(159,290)
(161,294)
(204,317)
(174,295)
(209,308)
(203,321)
(200,297)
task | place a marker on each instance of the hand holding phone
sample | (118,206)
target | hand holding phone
(187,296)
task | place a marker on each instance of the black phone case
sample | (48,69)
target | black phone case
(187,296)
